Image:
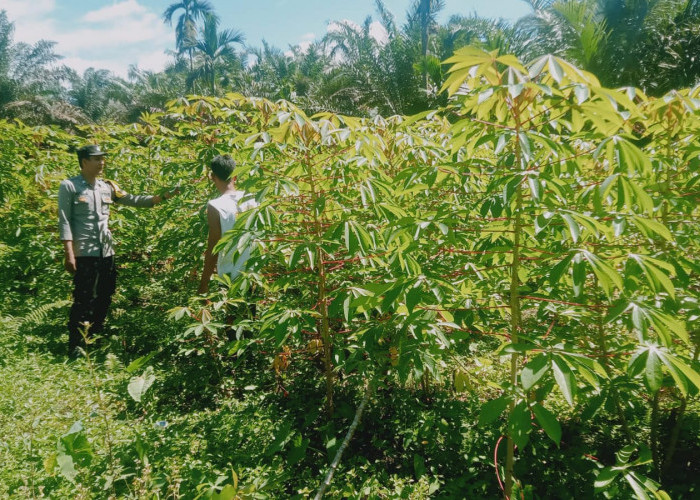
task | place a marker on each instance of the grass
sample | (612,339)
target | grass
(193,434)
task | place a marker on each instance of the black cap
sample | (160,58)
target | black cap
(90,150)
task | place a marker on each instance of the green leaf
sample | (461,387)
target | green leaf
(605,477)
(520,425)
(678,376)
(565,378)
(578,274)
(139,385)
(297,450)
(573,227)
(555,69)
(418,465)
(653,373)
(667,326)
(295,256)
(686,370)
(413,298)
(607,276)
(533,371)
(639,490)
(67,467)
(558,269)
(650,227)
(549,422)
(139,363)
(491,410)
(228,492)
(656,278)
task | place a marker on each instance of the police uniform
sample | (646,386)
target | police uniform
(83,217)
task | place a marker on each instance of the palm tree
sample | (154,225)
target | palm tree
(186,28)
(32,84)
(212,48)
(147,91)
(644,43)
(270,75)
(93,92)
(423,16)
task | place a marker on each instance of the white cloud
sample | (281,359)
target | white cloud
(80,64)
(18,9)
(337,26)
(304,43)
(113,37)
(379,32)
(116,11)
(376,30)
(153,61)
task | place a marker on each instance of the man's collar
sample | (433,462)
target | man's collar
(87,182)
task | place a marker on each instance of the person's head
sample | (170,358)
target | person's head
(222,167)
(91,159)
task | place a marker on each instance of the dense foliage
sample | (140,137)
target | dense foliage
(511,281)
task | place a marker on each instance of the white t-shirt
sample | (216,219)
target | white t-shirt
(229,206)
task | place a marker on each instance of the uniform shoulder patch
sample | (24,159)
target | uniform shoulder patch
(118,192)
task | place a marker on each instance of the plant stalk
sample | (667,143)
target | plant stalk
(348,436)
(322,293)
(516,320)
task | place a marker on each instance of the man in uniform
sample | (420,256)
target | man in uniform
(84,203)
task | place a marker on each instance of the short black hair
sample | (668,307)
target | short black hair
(223,166)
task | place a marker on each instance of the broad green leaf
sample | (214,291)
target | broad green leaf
(413,298)
(667,326)
(549,422)
(139,385)
(67,467)
(606,476)
(607,276)
(656,278)
(297,450)
(564,378)
(520,425)
(558,269)
(533,371)
(650,227)
(653,372)
(573,227)
(686,370)
(491,410)
(139,363)
(418,465)
(678,376)
(639,490)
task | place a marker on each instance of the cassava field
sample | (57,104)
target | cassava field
(496,298)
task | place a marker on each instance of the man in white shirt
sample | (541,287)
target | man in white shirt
(221,216)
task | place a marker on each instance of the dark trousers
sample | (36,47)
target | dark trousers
(94,282)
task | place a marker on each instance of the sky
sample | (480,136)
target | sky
(114,34)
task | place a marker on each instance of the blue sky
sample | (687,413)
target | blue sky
(113,34)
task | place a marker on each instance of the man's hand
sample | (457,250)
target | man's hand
(69,264)
(166,195)
(69,261)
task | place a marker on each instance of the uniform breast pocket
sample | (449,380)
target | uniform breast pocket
(106,203)
(81,203)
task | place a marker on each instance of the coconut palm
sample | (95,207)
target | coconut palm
(33,85)
(212,49)
(186,28)
(423,18)
(625,42)
(94,93)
